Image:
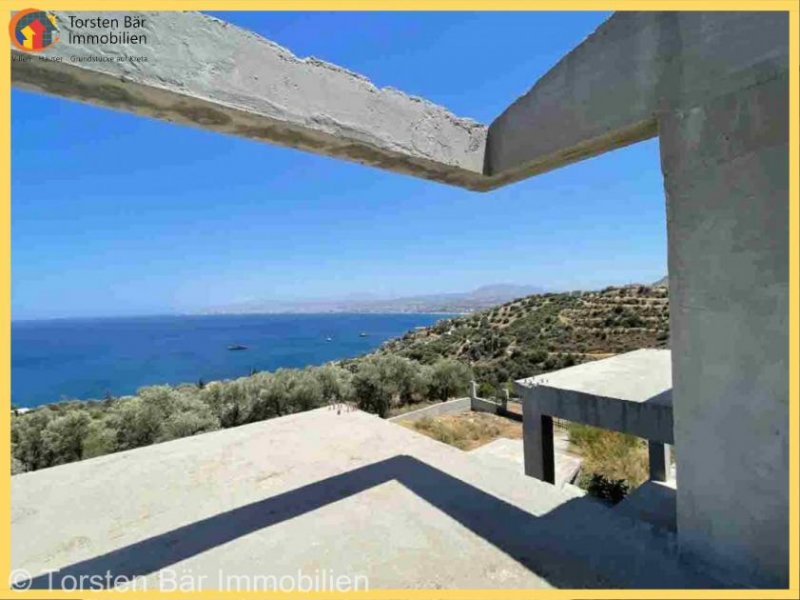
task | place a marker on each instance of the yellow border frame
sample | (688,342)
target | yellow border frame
(790,6)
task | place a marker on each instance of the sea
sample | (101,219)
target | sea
(60,359)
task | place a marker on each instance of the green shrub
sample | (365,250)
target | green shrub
(449,378)
(17,466)
(137,423)
(187,423)
(487,390)
(372,391)
(336,383)
(612,491)
(26,438)
(608,454)
(100,439)
(63,437)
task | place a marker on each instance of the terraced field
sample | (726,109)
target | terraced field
(543,332)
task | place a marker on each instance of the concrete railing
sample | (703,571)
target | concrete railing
(450,407)
(471,403)
(490,406)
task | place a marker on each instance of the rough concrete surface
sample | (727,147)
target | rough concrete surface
(451,407)
(630,392)
(606,93)
(345,492)
(726,171)
(609,91)
(487,406)
(205,72)
(511,453)
(653,501)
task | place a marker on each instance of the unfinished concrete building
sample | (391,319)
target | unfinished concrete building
(714,87)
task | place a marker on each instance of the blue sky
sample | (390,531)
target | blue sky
(117,214)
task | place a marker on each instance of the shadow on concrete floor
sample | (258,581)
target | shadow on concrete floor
(653,502)
(579,544)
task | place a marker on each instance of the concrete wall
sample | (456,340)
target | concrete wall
(460,405)
(484,405)
(450,407)
(726,171)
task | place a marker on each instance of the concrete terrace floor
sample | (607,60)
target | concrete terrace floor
(346,493)
(508,450)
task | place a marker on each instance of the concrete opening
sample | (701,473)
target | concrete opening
(647,461)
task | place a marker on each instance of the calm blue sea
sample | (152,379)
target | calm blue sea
(89,358)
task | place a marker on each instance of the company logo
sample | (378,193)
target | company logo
(33,30)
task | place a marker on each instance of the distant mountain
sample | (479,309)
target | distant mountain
(503,290)
(663,282)
(455,302)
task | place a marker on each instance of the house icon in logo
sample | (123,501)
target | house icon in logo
(33,30)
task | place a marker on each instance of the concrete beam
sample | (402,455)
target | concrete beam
(608,92)
(605,94)
(629,393)
(205,72)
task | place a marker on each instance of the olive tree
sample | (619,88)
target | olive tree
(448,378)
(136,422)
(100,439)
(26,436)
(63,437)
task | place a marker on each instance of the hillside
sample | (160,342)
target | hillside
(543,332)
(517,339)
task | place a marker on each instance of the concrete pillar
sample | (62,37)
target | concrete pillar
(537,442)
(726,173)
(504,400)
(473,389)
(659,455)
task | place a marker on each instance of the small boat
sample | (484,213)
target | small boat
(328,339)
(233,347)
(363,334)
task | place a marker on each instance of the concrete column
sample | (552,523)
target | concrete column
(726,173)
(473,389)
(504,401)
(537,442)
(659,460)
